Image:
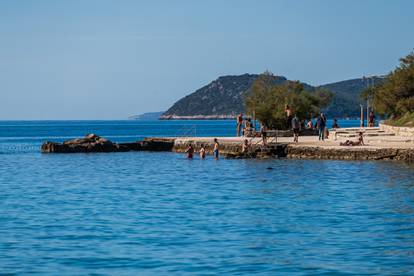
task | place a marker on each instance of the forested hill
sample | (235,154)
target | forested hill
(225,96)
(347,96)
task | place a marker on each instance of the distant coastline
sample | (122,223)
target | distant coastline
(221,117)
(147,116)
(160,116)
(197,117)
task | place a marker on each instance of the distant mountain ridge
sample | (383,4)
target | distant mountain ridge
(224,97)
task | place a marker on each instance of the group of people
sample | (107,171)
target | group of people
(202,152)
(244,126)
(295,124)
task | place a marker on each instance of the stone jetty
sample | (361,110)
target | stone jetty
(380,144)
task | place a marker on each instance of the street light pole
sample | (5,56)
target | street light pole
(362,115)
(367,101)
(373,85)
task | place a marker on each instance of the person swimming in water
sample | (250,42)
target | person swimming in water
(190,151)
(216,149)
(202,152)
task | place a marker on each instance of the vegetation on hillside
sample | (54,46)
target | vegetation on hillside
(394,97)
(347,96)
(267,100)
(406,120)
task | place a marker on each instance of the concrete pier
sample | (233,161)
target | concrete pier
(379,145)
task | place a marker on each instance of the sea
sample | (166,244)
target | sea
(158,213)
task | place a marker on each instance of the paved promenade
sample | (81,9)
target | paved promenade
(373,138)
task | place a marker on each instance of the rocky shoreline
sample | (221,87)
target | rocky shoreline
(349,153)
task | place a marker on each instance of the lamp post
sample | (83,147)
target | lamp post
(362,115)
(365,81)
(254,119)
(371,97)
(367,100)
(368,96)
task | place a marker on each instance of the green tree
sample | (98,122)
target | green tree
(395,96)
(268,101)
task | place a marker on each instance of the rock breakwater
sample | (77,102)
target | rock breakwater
(95,143)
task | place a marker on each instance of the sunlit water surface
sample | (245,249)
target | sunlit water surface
(159,213)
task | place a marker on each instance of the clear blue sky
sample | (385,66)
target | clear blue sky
(112,59)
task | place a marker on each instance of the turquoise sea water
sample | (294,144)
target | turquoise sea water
(140,213)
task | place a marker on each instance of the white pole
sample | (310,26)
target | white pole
(367,102)
(373,84)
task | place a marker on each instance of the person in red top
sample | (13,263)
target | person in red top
(190,152)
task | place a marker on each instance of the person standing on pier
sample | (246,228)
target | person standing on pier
(295,128)
(288,112)
(321,124)
(216,149)
(239,123)
(263,133)
(335,124)
(371,119)
(309,124)
(325,130)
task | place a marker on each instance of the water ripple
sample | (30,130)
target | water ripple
(161,214)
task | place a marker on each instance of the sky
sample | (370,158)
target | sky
(100,59)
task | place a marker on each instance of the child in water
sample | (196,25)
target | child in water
(216,149)
(202,152)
